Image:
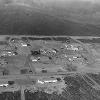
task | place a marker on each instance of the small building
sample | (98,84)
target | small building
(26,71)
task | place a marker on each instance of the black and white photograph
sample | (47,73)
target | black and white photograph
(49,49)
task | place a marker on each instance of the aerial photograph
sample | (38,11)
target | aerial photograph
(49,49)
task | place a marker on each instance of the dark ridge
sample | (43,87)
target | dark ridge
(94,40)
(20,20)
(62,39)
(40,38)
(33,38)
(46,39)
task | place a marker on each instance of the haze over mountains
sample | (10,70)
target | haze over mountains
(50,17)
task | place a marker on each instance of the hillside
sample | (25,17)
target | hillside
(18,20)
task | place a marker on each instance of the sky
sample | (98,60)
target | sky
(93,1)
(45,1)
